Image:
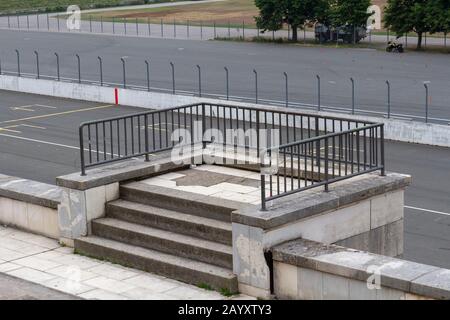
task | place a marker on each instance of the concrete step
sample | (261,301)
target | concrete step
(164,241)
(164,264)
(208,229)
(186,202)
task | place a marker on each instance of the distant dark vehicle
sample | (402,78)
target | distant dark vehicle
(394,47)
(348,34)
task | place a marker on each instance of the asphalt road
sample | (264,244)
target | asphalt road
(39,141)
(369,68)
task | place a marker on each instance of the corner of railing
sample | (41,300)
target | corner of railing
(262,166)
(382,155)
(82,163)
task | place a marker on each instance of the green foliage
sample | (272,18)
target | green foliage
(419,16)
(275,13)
(350,12)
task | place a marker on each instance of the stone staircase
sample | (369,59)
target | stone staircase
(154,229)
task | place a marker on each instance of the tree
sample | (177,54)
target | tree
(419,16)
(350,12)
(274,13)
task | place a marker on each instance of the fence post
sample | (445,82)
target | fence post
(125,25)
(353,95)
(57,22)
(174,28)
(82,164)
(18,21)
(147,148)
(243,30)
(101,24)
(90,24)
(256,85)
(287,88)
(28,22)
(199,81)
(173,77)
(113,25)
(215,32)
(201,30)
(37,20)
(37,64)
(326,164)
(148,75)
(18,62)
(318,92)
(57,67)
(100,64)
(79,67)
(388,98)
(9,22)
(227,82)
(229,29)
(187,29)
(383,162)
(149,27)
(137,27)
(48,23)
(124,73)
(162,29)
(426,101)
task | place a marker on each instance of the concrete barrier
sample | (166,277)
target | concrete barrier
(30,205)
(395,129)
(309,270)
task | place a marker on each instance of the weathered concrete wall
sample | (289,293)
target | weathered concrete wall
(29,205)
(395,129)
(310,270)
(362,207)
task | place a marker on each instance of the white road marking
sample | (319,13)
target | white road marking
(55,144)
(428,210)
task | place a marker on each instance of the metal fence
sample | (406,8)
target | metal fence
(256,97)
(186,29)
(317,144)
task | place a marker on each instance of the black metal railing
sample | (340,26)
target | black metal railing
(315,150)
(320,161)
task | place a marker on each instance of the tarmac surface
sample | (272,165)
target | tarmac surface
(408,73)
(39,141)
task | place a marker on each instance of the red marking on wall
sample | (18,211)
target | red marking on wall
(116,95)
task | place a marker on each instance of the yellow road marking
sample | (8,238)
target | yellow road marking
(58,114)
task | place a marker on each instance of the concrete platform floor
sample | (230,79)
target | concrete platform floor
(37,264)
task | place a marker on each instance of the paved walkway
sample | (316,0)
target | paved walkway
(44,262)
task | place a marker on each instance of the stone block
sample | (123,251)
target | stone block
(335,287)
(309,284)
(386,209)
(285,281)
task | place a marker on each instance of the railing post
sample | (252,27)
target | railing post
(101,24)
(57,67)
(100,64)
(256,85)
(318,92)
(114,25)
(90,24)
(203,125)
(162,29)
(48,22)
(227,82)
(353,95)
(137,27)
(147,148)
(426,102)
(263,179)
(79,67)
(37,64)
(201,30)
(326,164)
(317,129)
(383,162)
(199,81)
(174,28)
(388,98)
(18,62)
(125,25)
(82,164)
(124,73)
(286,89)
(173,77)
(147,65)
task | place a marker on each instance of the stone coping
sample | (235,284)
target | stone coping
(314,201)
(120,171)
(30,191)
(407,276)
